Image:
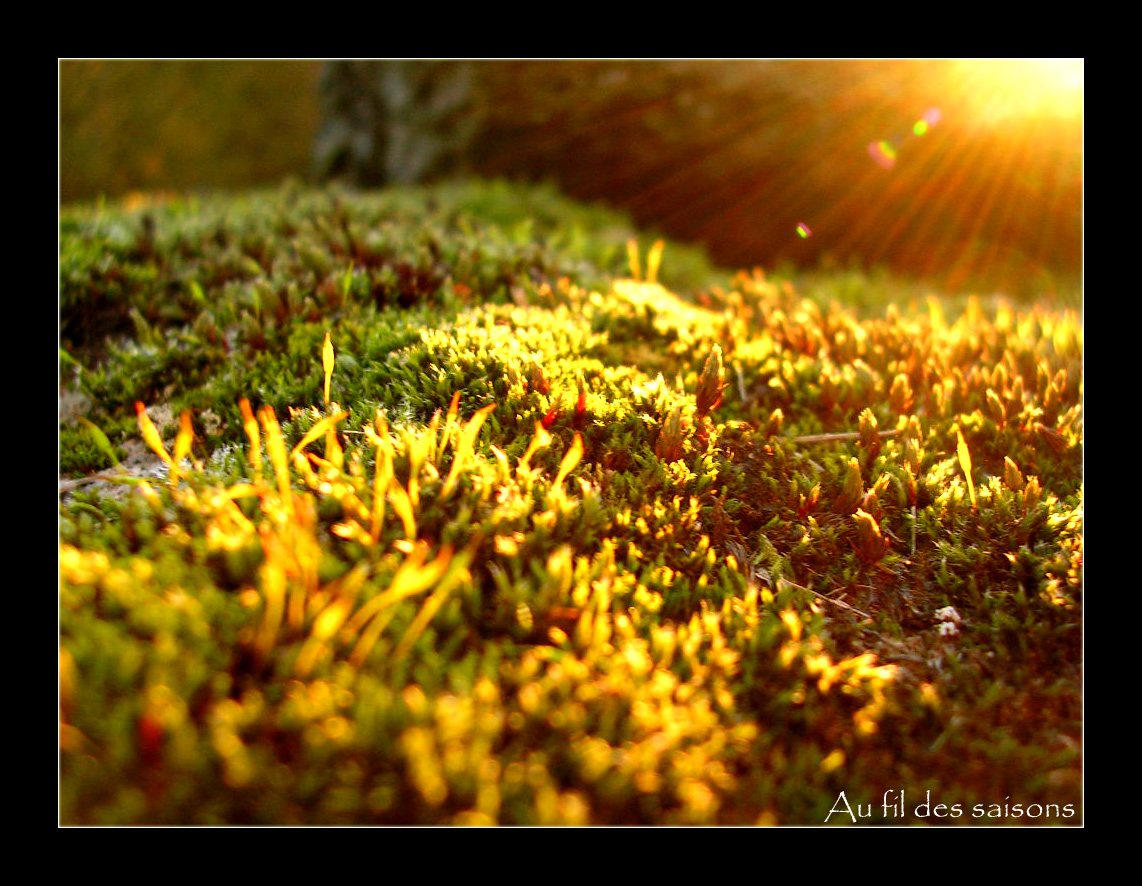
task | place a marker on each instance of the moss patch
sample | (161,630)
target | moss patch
(470,515)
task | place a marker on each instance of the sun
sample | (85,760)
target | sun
(1023,87)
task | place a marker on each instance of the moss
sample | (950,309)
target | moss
(545,544)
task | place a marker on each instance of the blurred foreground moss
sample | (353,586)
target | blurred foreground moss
(456,514)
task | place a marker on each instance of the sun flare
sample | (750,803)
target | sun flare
(1025,86)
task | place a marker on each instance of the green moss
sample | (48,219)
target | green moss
(560,547)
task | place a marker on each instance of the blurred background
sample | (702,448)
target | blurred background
(966,173)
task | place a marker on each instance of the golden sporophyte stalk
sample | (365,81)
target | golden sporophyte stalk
(250,423)
(275,447)
(632,259)
(153,439)
(465,446)
(151,433)
(570,460)
(327,365)
(415,576)
(965,465)
(541,440)
(653,260)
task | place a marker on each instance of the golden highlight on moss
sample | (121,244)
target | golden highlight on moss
(565,545)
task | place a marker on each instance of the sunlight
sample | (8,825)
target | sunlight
(930,165)
(1012,87)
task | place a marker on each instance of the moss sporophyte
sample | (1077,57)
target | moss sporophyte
(456,526)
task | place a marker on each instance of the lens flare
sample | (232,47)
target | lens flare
(883,153)
(925,123)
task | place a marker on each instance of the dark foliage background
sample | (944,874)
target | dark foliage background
(733,155)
